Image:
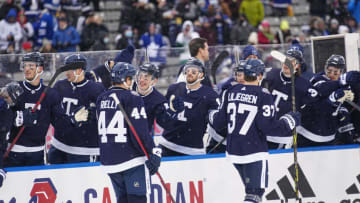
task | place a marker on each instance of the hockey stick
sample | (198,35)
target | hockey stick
(217,62)
(117,102)
(282,58)
(217,145)
(64,68)
(353,104)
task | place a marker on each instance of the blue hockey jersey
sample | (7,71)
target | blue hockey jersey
(33,137)
(318,123)
(280,87)
(6,121)
(155,108)
(185,134)
(119,150)
(81,140)
(249,114)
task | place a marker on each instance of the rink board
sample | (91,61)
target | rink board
(327,174)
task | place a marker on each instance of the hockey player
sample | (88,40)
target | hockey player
(29,148)
(250,52)
(156,105)
(8,97)
(102,72)
(120,155)
(248,111)
(216,137)
(184,136)
(278,82)
(77,143)
(199,50)
(321,121)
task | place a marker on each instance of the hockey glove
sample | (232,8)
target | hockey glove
(176,104)
(92,113)
(341,95)
(349,78)
(26,118)
(79,116)
(153,163)
(2,176)
(291,120)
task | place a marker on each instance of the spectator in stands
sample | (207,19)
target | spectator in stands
(334,26)
(26,27)
(352,24)
(281,7)
(165,13)
(253,10)
(151,39)
(343,29)
(241,30)
(66,38)
(207,31)
(32,9)
(265,34)
(318,28)
(10,32)
(6,6)
(126,38)
(222,28)
(86,12)
(26,47)
(318,7)
(52,6)
(72,9)
(94,2)
(95,35)
(354,9)
(284,34)
(339,11)
(44,29)
(187,34)
(187,10)
(47,47)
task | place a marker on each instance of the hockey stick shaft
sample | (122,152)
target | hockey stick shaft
(116,99)
(282,58)
(217,145)
(217,62)
(353,104)
(292,72)
(41,98)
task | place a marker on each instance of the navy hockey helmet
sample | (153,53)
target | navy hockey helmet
(121,71)
(240,67)
(150,69)
(14,90)
(335,60)
(76,58)
(194,63)
(296,53)
(254,67)
(34,57)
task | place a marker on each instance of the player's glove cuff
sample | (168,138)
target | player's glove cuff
(157,151)
(19,120)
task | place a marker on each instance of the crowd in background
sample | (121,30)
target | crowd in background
(75,25)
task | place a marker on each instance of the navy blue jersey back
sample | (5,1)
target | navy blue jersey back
(35,135)
(249,113)
(116,140)
(154,104)
(72,96)
(280,87)
(190,126)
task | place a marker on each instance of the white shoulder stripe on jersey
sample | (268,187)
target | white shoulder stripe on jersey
(20,148)
(245,159)
(124,166)
(314,137)
(74,150)
(179,148)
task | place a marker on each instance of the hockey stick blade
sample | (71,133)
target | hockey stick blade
(278,55)
(217,62)
(117,102)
